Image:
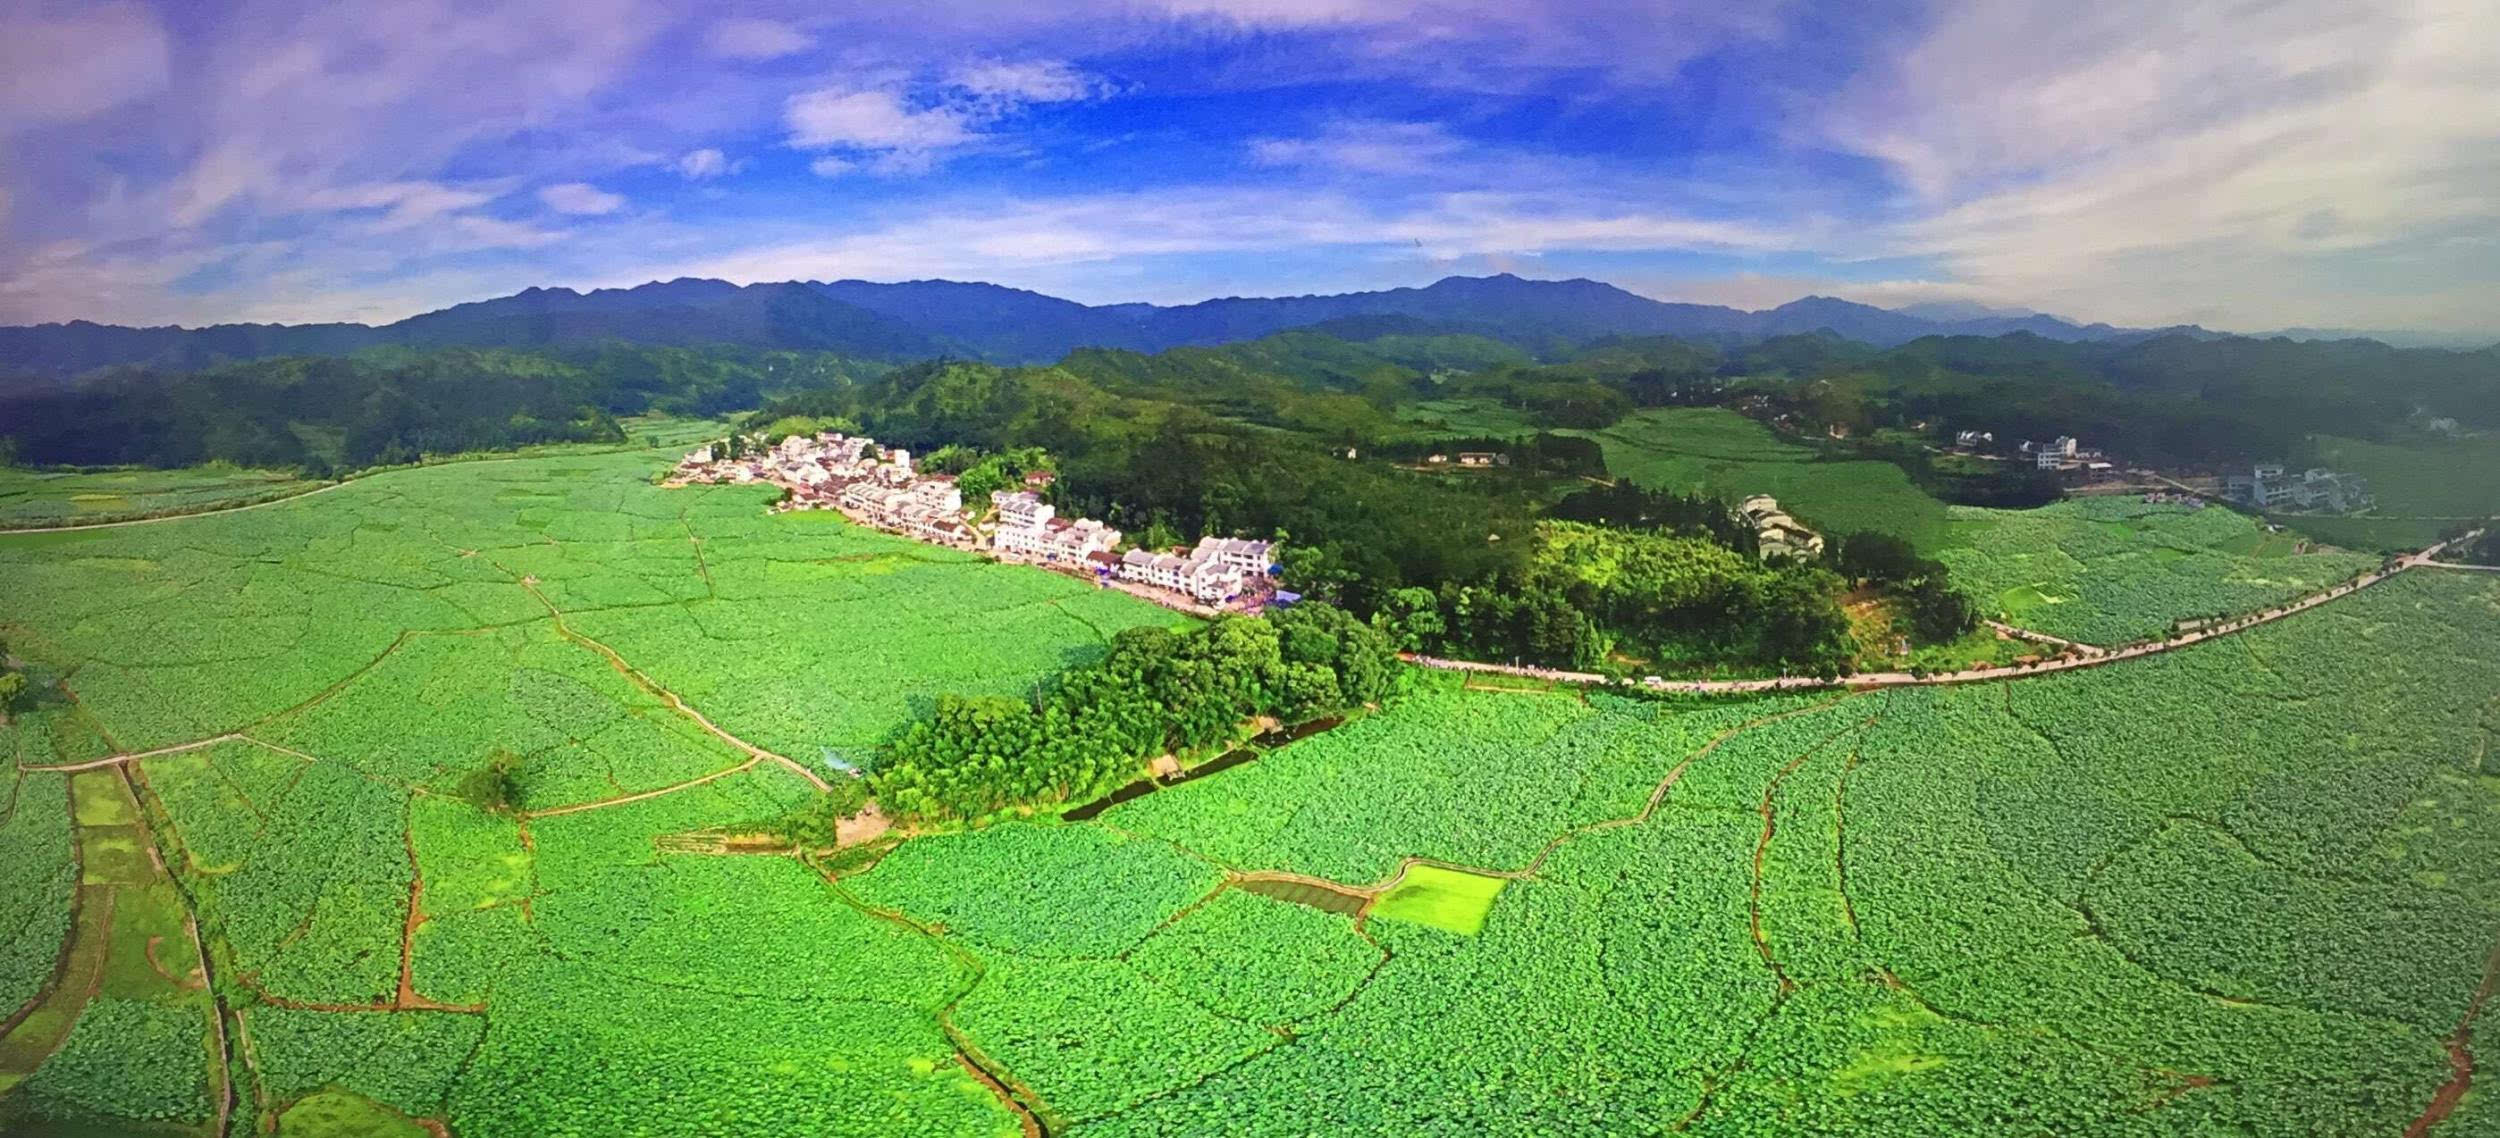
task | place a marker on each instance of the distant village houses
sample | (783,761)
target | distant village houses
(1777,534)
(880,488)
(2269,486)
(1218,570)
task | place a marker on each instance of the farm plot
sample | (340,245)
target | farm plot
(37,877)
(1477,778)
(30,498)
(125,1035)
(2113,570)
(320,679)
(1720,452)
(2209,891)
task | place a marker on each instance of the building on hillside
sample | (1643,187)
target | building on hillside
(1482,458)
(1973,440)
(938,492)
(2269,486)
(1777,534)
(1239,553)
(1020,509)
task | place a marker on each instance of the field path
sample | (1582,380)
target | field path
(622,800)
(646,683)
(303,494)
(73,528)
(2091,659)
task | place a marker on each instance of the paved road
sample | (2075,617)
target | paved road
(2091,659)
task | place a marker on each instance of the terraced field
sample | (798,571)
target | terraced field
(2116,569)
(303,689)
(2247,887)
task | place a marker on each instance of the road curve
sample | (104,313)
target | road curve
(2091,657)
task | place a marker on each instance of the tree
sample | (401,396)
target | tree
(1940,612)
(495,787)
(12,682)
(1871,555)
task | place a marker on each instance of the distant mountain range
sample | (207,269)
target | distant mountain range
(917,319)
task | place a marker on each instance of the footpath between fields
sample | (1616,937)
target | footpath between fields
(2086,656)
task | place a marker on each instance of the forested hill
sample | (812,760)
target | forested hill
(328,414)
(918,319)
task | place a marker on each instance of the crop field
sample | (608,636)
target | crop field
(2250,887)
(2112,570)
(30,498)
(309,685)
(1465,419)
(2449,478)
(1684,449)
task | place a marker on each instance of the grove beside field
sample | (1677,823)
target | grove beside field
(1718,451)
(2115,569)
(2250,887)
(32,498)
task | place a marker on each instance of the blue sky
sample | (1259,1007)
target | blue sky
(2247,165)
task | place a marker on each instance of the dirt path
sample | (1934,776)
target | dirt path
(1031,1110)
(2038,637)
(1761,849)
(407,999)
(2460,1055)
(646,683)
(145,805)
(2091,659)
(627,799)
(74,528)
(109,760)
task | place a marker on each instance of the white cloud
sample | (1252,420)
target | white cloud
(832,167)
(892,128)
(1364,147)
(2254,167)
(580,198)
(991,237)
(871,120)
(1030,81)
(65,63)
(755,39)
(701,165)
(404,204)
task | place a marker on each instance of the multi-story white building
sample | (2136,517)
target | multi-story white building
(1237,553)
(1021,509)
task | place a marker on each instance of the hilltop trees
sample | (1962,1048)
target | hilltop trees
(1154,691)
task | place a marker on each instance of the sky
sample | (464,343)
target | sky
(2244,165)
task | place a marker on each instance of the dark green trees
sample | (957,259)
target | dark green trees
(1155,691)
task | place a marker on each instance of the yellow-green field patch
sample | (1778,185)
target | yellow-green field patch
(1447,899)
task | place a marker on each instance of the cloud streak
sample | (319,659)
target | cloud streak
(2261,164)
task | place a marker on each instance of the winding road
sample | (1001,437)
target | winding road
(2090,657)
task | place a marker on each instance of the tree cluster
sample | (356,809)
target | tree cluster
(1592,592)
(1155,691)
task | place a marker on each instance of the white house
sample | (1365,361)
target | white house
(1236,553)
(1020,509)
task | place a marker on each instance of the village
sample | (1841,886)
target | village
(878,487)
(2267,486)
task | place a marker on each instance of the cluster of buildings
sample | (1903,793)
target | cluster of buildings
(2064,453)
(2182,498)
(1467,458)
(1219,571)
(1030,529)
(1775,533)
(2268,486)
(836,471)
(878,487)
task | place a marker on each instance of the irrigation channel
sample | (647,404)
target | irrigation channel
(1257,746)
